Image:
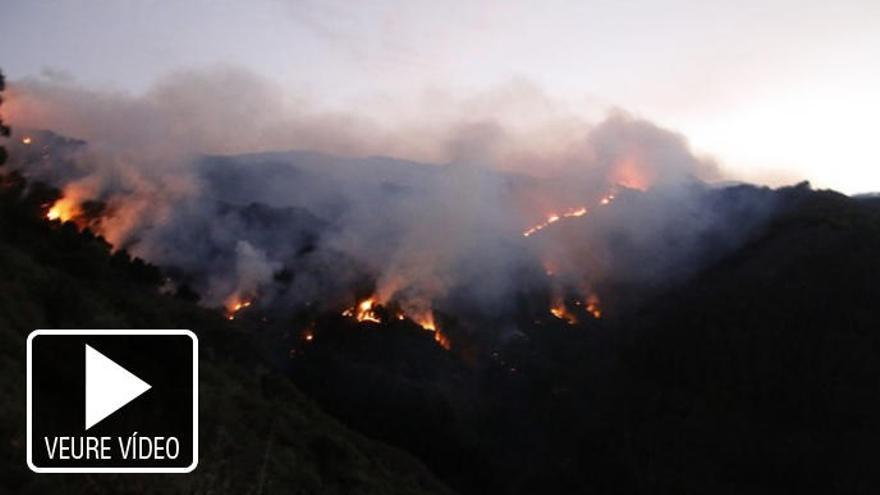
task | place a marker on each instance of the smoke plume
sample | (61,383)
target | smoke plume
(244,191)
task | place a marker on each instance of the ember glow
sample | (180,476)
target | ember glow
(26,140)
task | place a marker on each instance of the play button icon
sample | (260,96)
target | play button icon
(108,386)
(112,401)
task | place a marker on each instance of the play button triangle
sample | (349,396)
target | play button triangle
(108,387)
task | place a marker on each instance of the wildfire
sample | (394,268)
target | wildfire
(442,340)
(561,312)
(26,140)
(593,306)
(427,323)
(64,209)
(235,305)
(364,311)
(555,217)
(569,213)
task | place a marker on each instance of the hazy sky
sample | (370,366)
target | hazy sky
(772,89)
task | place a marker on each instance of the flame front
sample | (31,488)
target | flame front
(234,305)
(64,209)
(576,212)
(593,306)
(555,217)
(561,312)
(427,322)
(364,311)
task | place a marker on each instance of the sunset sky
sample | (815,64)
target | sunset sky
(776,91)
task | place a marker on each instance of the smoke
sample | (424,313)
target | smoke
(223,110)
(196,179)
(252,271)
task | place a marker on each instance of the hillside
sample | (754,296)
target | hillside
(756,374)
(736,349)
(258,433)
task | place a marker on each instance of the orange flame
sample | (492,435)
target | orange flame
(234,305)
(559,311)
(593,306)
(364,311)
(26,140)
(64,209)
(633,173)
(441,339)
(575,212)
(427,322)
(555,217)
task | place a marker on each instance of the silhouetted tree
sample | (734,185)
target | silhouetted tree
(4,129)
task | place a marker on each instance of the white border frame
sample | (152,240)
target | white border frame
(195,404)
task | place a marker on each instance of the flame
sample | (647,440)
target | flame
(234,304)
(593,306)
(427,322)
(561,312)
(442,340)
(64,209)
(364,311)
(555,217)
(575,212)
(633,173)
(26,140)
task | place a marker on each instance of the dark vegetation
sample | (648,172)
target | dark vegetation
(258,433)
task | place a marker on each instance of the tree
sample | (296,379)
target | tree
(4,129)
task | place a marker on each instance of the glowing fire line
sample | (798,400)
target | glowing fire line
(569,213)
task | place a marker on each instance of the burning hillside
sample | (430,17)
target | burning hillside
(524,324)
(569,213)
(436,237)
(370,311)
(274,234)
